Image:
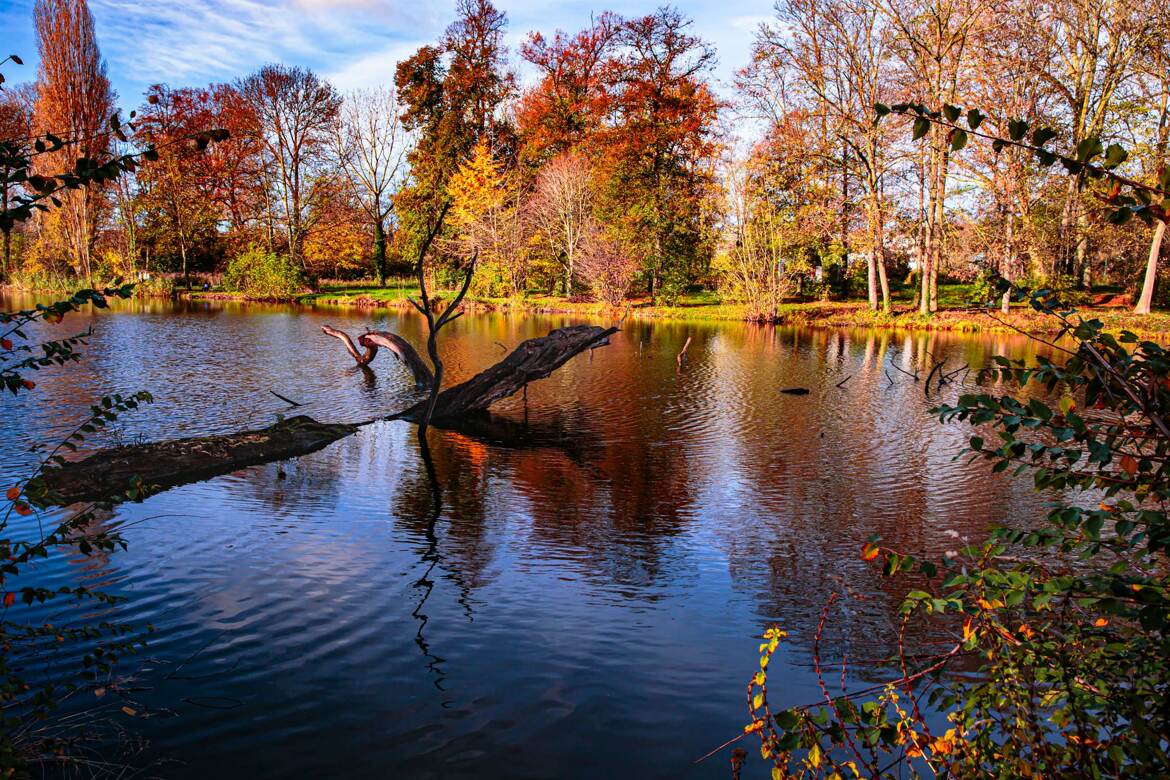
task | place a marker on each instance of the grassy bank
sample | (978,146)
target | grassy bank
(706,306)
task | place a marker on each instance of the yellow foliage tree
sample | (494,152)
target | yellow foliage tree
(489,223)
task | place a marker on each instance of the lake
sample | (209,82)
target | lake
(588,600)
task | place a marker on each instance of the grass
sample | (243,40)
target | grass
(956,310)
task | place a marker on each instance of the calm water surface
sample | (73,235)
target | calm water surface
(586,602)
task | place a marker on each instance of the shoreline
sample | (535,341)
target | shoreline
(819,314)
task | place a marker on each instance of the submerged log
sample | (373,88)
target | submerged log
(168,464)
(398,346)
(533,359)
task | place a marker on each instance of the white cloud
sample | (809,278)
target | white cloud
(374,69)
(355,43)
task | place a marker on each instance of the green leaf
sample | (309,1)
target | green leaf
(1089,148)
(1043,135)
(921,127)
(974,118)
(952,113)
(1121,216)
(1017,128)
(1115,155)
(958,139)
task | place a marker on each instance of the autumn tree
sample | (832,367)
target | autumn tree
(607,265)
(296,111)
(235,171)
(488,222)
(1085,52)
(74,102)
(1009,186)
(338,244)
(832,59)
(175,186)
(659,146)
(371,147)
(780,221)
(16,123)
(450,95)
(931,40)
(565,110)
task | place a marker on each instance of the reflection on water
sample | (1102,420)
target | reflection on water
(585,598)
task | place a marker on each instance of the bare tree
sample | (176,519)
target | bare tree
(297,111)
(74,102)
(832,59)
(1157,79)
(435,324)
(931,40)
(563,208)
(371,147)
(1085,51)
(607,265)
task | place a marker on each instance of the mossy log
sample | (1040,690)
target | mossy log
(179,461)
(167,464)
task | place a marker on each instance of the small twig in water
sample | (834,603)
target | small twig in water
(843,381)
(913,376)
(937,367)
(288,401)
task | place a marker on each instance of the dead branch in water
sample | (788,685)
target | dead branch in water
(434,325)
(398,346)
(532,360)
(682,355)
(288,401)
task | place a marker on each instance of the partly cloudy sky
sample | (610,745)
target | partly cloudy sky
(354,43)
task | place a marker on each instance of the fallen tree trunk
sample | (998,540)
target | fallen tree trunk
(398,346)
(533,359)
(168,464)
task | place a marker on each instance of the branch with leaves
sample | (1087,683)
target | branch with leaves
(1126,199)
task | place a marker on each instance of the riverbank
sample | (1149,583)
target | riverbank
(706,307)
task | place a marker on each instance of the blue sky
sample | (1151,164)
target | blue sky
(354,43)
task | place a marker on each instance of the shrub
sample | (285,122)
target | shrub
(1054,639)
(608,266)
(263,275)
(154,287)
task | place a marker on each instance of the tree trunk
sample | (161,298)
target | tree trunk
(380,251)
(7,269)
(1146,300)
(871,277)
